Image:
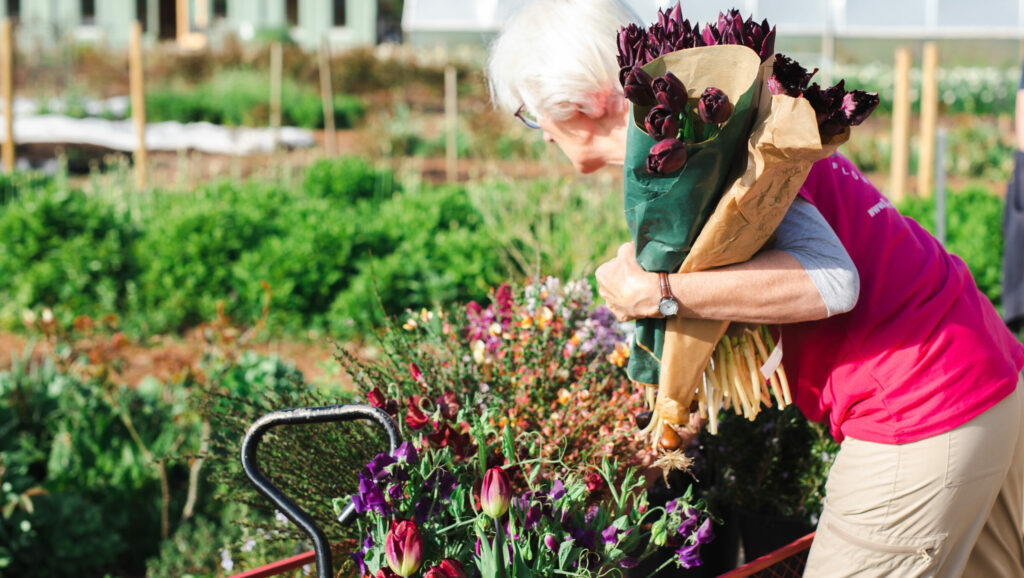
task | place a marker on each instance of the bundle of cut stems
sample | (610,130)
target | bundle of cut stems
(739,377)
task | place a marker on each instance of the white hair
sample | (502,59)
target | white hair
(555,57)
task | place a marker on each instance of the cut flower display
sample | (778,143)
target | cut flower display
(518,456)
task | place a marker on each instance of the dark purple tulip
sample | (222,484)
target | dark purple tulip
(826,103)
(714,106)
(710,35)
(731,28)
(858,105)
(670,91)
(662,123)
(631,39)
(666,156)
(760,38)
(788,77)
(656,42)
(636,85)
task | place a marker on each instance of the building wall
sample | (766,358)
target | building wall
(50,20)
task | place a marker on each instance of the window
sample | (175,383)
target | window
(88,11)
(291,12)
(220,8)
(13,8)
(339,13)
(141,14)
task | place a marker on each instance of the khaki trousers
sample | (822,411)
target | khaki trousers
(950,505)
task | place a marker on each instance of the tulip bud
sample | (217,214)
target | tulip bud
(403,547)
(714,106)
(448,568)
(670,91)
(636,85)
(662,123)
(666,156)
(496,492)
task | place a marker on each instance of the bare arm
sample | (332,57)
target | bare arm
(772,287)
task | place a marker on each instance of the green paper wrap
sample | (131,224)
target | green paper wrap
(665,213)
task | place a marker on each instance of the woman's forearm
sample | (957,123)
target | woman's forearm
(770,288)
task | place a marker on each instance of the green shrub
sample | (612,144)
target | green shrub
(242,98)
(346,180)
(191,252)
(65,250)
(973,231)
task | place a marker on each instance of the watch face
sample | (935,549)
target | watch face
(668,307)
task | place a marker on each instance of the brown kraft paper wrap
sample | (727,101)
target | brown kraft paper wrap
(783,144)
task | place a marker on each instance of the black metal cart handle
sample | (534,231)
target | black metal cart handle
(291,510)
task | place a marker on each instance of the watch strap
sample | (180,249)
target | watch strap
(666,289)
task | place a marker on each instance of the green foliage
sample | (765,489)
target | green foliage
(346,180)
(67,251)
(242,98)
(71,439)
(190,253)
(776,464)
(973,232)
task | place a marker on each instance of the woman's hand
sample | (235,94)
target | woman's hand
(629,291)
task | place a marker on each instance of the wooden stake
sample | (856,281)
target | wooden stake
(138,96)
(929,119)
(900,126)
(7,90)
(181,21)
(327,95)
(451,114)
(276,66)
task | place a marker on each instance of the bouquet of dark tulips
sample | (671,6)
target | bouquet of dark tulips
(723,134)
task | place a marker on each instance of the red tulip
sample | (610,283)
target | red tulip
(496,492)
(448,568)
(403,547)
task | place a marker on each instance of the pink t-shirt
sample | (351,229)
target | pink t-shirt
(922,352)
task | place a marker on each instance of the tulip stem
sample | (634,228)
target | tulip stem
(499,548)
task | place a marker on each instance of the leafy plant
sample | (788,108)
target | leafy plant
(973,232)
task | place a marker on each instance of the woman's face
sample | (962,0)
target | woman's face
(576,137)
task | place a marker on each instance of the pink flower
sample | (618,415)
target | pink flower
(496,492)
(403,547)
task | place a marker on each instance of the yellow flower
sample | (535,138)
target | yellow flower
(426,315)
(410,324)
(544,317)
(564,396)
(620,355)
(479,351)
(526,321)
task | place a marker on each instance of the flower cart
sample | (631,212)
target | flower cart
(787,561)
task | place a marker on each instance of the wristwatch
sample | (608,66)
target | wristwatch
(668,306)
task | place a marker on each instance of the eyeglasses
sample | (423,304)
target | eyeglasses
(525,118)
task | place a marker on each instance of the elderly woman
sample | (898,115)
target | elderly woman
(888,340)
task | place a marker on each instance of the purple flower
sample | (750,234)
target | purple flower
(422,510)
(714,106)
(670,92)
(443,481)
(671,506)
(370,497)
(788,77)
(631,41)
(557,491)
(395,492)
(609,535)
(550,542)
(629,562)
(689,556)
(686,528)
(662,123)
(705,534)
(666,156)
(532,517)
(760,38)
(378,466)
(636,86)
(857,105)
(406,453)
(731,28)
